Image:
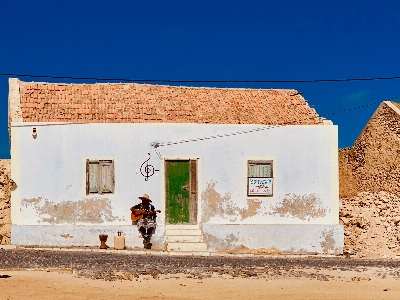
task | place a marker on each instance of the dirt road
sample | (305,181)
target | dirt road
(33,275)
(35,285)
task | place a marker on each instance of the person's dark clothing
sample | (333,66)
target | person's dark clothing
(147,224)
(150,211)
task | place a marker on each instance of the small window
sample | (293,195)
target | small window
(99,177)
(259,178)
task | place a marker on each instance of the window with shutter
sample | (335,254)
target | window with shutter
(260,178)
(100,176)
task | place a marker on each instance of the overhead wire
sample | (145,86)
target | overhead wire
(270,126)
(233,81)
(358,107)
(156,145)
(205,81)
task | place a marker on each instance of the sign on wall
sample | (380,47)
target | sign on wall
(259,186)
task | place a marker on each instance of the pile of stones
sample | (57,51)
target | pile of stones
(371,225)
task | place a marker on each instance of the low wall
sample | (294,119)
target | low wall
(81,235)
(218,237)
(284,238)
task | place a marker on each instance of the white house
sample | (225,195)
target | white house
(228,168)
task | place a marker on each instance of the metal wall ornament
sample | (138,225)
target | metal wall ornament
(146,169)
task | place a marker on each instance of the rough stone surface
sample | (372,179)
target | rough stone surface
(369,187)
(6,184)
(372,164)
(371,224)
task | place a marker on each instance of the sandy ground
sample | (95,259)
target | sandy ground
(62,284)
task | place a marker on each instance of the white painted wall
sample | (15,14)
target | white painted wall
(52,166)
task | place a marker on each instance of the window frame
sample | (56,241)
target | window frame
(270,179)
(102,163)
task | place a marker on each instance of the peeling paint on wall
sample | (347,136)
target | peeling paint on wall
(303,207)
(67,236)
(328,243)
(27,202)
(214,204)
(94,211)
(222,244)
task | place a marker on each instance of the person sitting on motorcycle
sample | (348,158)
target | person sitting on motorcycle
(144,216)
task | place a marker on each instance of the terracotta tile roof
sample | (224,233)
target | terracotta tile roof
(140,103)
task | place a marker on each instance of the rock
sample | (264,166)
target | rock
(345,221)
(396,220)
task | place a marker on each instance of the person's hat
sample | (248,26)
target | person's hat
(145,197)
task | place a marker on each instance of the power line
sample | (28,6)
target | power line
(156,145)
(358,107)
(204,81)
(266,126)
(211,137)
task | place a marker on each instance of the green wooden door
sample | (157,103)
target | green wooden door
(180,192)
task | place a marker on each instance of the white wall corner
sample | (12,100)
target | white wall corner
(334,175)
(16,176)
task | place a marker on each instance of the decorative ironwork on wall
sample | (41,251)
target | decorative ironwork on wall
(146,169)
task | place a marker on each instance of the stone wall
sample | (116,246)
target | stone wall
(371,224)
(373,163)
(6,184)
(369,187)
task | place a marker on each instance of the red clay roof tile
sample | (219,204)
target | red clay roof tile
(137,103)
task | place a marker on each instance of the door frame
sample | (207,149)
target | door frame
(163,191)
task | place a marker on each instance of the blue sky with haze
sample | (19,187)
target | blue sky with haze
(211,40)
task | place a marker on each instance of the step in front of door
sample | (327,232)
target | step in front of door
(184,238)
(177,231)
(186,247)
(181,226)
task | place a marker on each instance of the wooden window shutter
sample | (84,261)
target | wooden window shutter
(112,177)
(87,177)
(99,178)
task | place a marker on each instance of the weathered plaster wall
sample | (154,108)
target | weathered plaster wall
(285,238)
(372,164)
(91,210)
(50,174)
(81,235)
(14,104)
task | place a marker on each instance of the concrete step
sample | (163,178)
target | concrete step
(186,247)
(190,253)
(183,232)
(8,247)
(181,226)
(184,238)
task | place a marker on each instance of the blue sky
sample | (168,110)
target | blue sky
(211,40)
